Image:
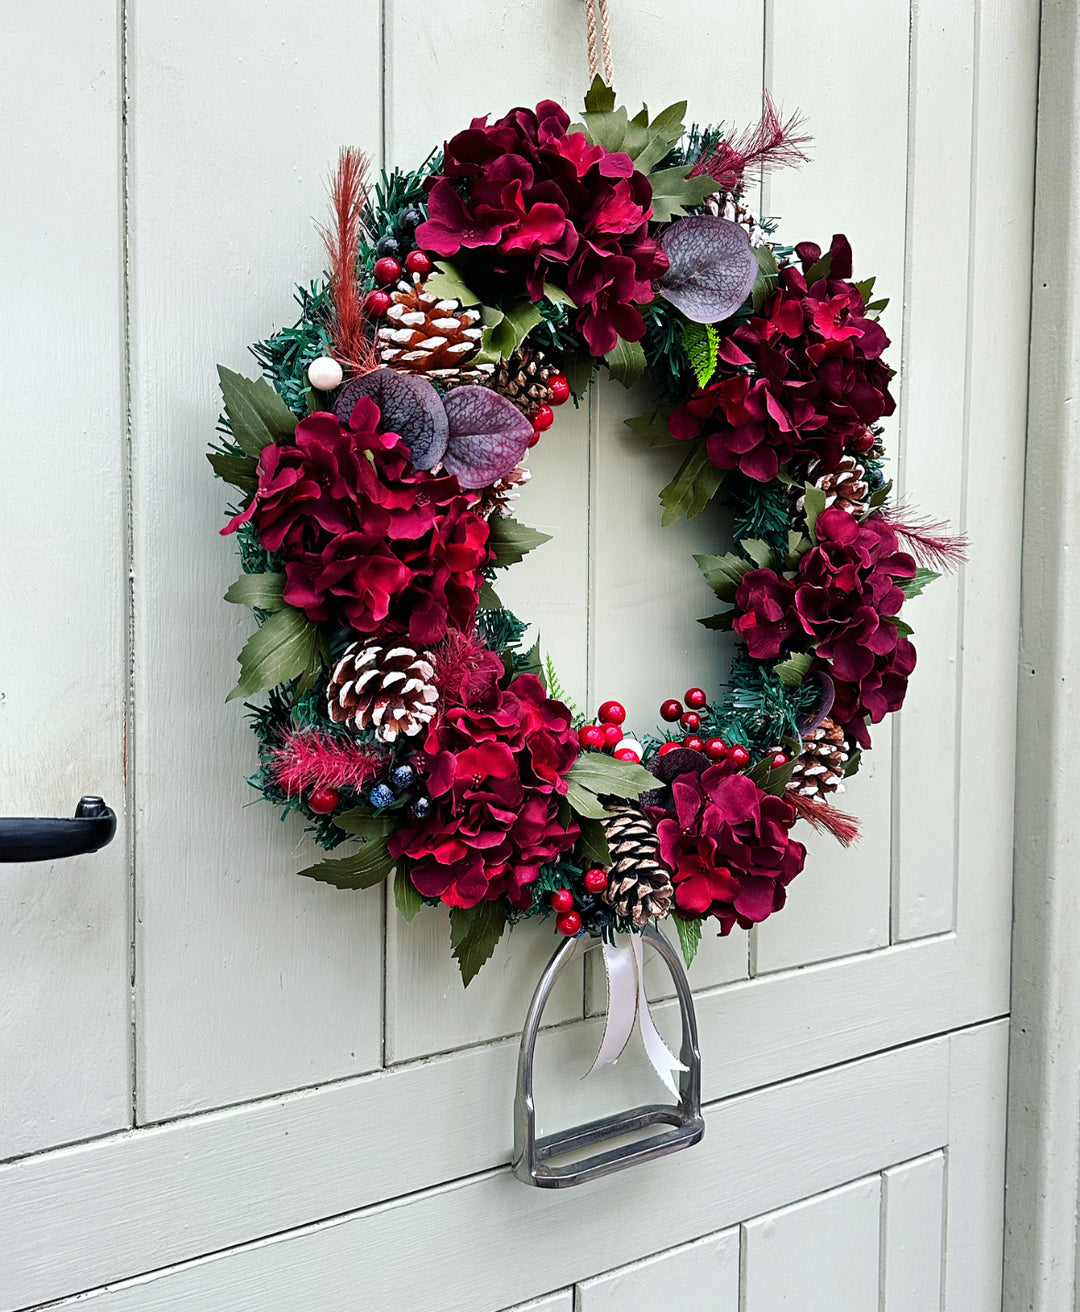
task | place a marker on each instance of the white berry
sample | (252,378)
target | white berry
(632,743)
(325,373)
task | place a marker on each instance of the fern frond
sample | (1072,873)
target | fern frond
(701,342)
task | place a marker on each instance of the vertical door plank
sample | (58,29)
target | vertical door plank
(855,183)
(699,1277)
(250,980)
(935,438)
(428,1010)
(912,1215)
(820,1255)
(64,926)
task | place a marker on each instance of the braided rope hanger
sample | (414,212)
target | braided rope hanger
(599,42)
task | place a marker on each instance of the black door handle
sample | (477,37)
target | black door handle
(26,838)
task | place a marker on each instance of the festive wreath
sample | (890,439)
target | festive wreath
(379,461)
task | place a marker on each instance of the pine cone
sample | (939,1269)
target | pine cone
(844,487)
(639,887)
(388,689)
(424,335)
(523,379)
(819,771)
(499,498)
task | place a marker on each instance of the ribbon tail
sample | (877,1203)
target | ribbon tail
(622,1002)
(663,1061)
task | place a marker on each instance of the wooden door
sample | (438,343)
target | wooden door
(319,1116)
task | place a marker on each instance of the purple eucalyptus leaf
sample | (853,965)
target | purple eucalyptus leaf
(823,706)
(488,435)
(711,267)
(409,406)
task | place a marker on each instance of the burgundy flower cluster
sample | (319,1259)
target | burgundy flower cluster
(369,542)
(547,204)
(842,597)
(495,771)
(803,380)
(728,846)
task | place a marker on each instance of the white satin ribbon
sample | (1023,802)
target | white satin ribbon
(627,1003)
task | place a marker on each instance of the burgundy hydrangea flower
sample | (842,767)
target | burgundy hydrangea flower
(802,380)
(766,619)
(728,846)
(496,773)
(548,205)
(368,541)
(846,592)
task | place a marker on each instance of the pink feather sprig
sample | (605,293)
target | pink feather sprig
(348,193)
(307,759)
(773,142)
(929,541)
(828,819)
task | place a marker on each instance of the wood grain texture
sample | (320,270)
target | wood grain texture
(698,1277)
(855,184)
(64,926)
(249,979)
(820,1255)
(562,1301)
(913,1202)
(804,1137)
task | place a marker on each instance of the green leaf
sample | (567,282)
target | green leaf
(689,938)
(593,844)
(821,269)
(724,573)
(406,898)
(792,671)
(363,869)
(663,132)
(866,288)
(913,586)
(505,330)
(852,763)
(880,495)
(722,622)
(674,192)
(448,285)
(260,591)
(605,127)
(579,370)
(772,779)
(902,626)
(814,500)
(280,650)
(362,822)
(653,427)
(489,599)
(798,545)
(257,415)
(626,363)
(693,487)
(768,277)
(511,542)
(556,295)
(239,471)
(759,552)
(474,936)
(594,774)
(599,97)
(531,663)
(701,343)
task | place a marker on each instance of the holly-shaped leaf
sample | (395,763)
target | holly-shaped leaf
(724,573)
(260,591)
(674,192)
(408,405)
(913,586)
(626,362)
(362,869)
(814,502)
(474,936)
(488,435)
(792,671)
(257,415)
(447,284)
(239,471)
(711,268)
(282,649)
(593,844)
(511,542)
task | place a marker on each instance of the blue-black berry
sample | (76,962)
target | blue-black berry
(381,795)
(402,778)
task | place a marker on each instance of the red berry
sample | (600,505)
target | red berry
(568,924)
(695,743)
(738,756)
(863,442)
(323,800)
(418,262)
(668,747)
(613,735)
(781,758)
(535,438)
(627,754)
(560,389)
(595,880)
(591,735)
(690,720)
(671,709)
(543,419)
(562,900)
(715,749)
(696,698)
(387,270)
(611,713)
(377,303)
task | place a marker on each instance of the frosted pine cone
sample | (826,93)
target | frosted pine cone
(523,379)
(844,487)
(639,887)
(499,498)
(387,689)
(819,771)
(425,335)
